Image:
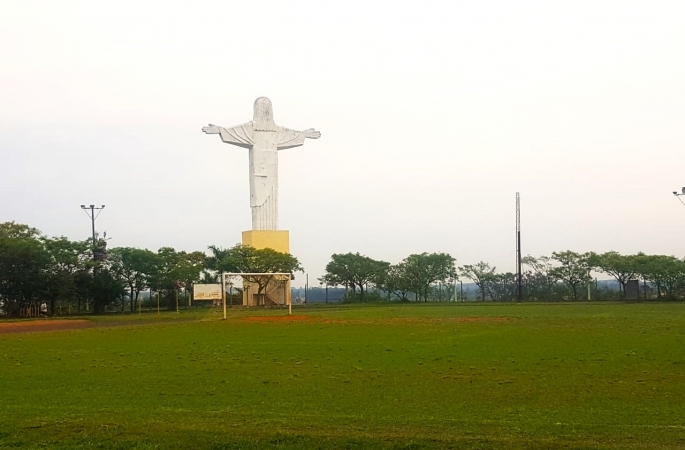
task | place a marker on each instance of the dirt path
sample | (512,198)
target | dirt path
(275,318)
(43,325)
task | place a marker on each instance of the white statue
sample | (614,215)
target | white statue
(264,138)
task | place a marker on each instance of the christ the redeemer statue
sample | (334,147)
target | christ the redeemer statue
(263,138)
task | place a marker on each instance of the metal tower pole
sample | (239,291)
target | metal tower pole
(93,215)
(518,248)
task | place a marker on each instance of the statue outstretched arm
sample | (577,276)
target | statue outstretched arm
(288,138)
(241,135)
(212,129)
(311,133)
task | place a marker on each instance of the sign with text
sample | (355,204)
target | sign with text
(207,292)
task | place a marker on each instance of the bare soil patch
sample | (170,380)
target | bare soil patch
(276,318)
(44,325)
(37,326)
(418,320)
(477,319)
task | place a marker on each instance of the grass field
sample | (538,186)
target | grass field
(354,377)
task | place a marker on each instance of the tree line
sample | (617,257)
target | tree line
(563,276)
(86,276)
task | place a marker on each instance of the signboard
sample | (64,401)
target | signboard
(632,290)
(207,291)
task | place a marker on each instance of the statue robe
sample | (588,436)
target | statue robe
(263,146)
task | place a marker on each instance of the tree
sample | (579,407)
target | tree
(135,267)
(395,281)
(424,269)
(502,286)
(666,273)
(175,270)
(208,276)
(481,274)
(654,269)
(65,259)
(247,259)
(217,254)
(107,284)
(354,270)
(539,285)
(23,263)
(622,268)
(106,289)
(190,268)
(573,269)
(673,273)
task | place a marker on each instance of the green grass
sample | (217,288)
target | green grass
(355,377)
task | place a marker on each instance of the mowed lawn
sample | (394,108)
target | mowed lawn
(380,376)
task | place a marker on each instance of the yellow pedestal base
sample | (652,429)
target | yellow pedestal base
(278,240)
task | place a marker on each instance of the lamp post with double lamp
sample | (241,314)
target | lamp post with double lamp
(92,214)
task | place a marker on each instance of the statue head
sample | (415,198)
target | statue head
(263,119)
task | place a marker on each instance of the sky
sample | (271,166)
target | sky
(433,115)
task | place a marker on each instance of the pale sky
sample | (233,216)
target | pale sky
(433,115)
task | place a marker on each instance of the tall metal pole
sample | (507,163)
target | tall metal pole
(518,248)
(93,216)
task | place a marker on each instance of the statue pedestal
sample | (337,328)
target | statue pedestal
(278,240)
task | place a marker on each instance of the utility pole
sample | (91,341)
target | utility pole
(518,248)
(92,214)
(306,287)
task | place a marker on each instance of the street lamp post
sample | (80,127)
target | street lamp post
(93,216)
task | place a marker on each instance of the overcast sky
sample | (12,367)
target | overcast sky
(433,115)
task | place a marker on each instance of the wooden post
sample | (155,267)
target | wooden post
(289,297)
(223,293)
(157,302)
